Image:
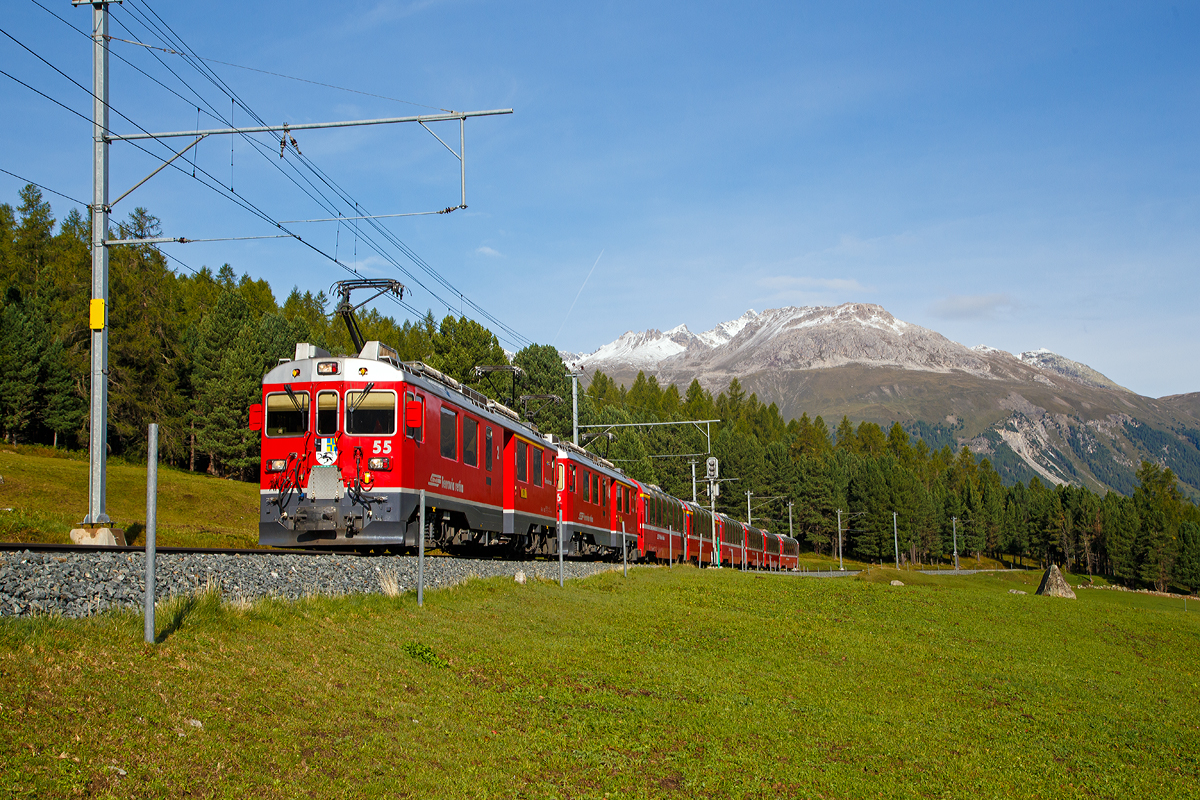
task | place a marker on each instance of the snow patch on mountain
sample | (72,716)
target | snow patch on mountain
(725,331)
(1049,361)
(645,349)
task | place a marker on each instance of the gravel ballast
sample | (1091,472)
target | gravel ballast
(82,584)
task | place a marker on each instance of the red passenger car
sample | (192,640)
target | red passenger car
(597,502)
(661,523)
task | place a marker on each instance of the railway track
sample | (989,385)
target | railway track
(57,547)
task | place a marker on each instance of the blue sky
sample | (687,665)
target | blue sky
(1020,175)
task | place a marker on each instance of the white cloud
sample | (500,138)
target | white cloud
(484,250)
(971,306)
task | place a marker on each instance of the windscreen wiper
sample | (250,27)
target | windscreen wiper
(287,387)
(366,391)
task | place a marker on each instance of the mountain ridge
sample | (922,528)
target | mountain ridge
(1038,412)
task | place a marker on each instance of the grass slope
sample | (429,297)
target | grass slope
(47,492)
(671,683)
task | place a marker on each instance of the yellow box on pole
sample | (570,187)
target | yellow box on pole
(97,315)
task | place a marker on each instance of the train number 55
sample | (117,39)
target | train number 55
(382,446)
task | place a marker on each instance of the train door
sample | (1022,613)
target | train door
(329,430)
(415,466)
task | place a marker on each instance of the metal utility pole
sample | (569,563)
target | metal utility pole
(97,515)
(98,311)
(896,540)
(151,532)
(841,564)
(712,507)
(790,533)
(955,521)
(575,406)
(712,471)
(693,463)
(748,520)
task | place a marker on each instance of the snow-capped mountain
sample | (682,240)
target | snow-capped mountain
(822,337)
(1033,413)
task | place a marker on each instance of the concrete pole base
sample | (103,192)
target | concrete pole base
(99,536)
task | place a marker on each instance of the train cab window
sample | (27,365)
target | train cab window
(416,434)
(449,434)
(604,494)
(537,466)
(587,487)
(487,444)
(327,413)
(371,413)
(470,442)
(522,461)
(571,479)
(287,414)
(596,488)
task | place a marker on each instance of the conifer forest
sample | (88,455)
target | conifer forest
(187,350)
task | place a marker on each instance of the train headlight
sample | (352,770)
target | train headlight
(277,465)
(380,464)
(327,368)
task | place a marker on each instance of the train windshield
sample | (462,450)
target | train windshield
(287,414)
(371,413)
(327,413)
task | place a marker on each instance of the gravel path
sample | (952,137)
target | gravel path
(81,584)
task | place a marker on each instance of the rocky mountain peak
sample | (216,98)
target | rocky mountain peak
(823,337)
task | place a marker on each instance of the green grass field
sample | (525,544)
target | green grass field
(669,683)
(47,494)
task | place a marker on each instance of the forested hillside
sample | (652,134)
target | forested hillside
(188,351)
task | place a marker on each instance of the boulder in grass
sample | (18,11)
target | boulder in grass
(1054,585)
(520,578)
(897,583)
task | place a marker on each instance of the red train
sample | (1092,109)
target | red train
(349,443)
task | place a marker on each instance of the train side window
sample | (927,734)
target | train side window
(596,487)
(522,461)
(371,413)
(587,487)
(327,413)
(287,414)
(571,485)
(470,442)
(417,433)
(487,443)
(537,466)
(604,496)
(449,434)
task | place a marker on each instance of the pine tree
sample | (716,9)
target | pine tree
(1160,507)
(1187,566)
(63,406)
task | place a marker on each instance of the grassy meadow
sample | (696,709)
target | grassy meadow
(44,495)
(677,683)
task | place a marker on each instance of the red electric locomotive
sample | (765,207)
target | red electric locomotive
(349,442)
